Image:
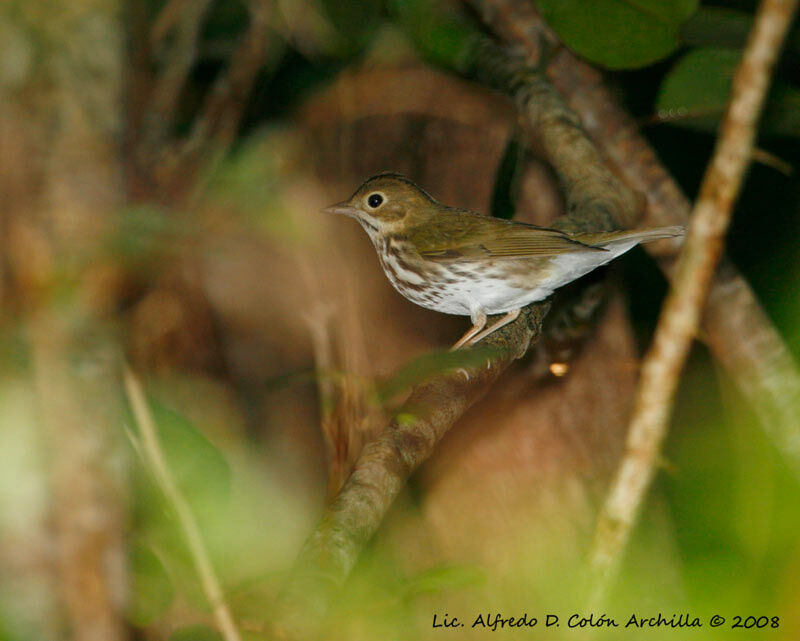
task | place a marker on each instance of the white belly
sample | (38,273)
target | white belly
(465,289)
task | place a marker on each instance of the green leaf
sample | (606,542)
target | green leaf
(201,472)
(152,591)
(695,92)
(199,468)
(619,34)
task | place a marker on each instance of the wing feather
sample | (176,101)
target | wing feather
(469,236)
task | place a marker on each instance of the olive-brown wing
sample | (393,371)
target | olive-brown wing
(466,236)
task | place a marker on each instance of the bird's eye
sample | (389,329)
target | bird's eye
(375,200)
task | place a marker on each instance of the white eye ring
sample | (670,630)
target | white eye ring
(375,200)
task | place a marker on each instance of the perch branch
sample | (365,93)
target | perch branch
(596,198)
(739,334)
(680,317)
(154,457)
(383,468)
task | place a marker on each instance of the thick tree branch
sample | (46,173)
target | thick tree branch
(680,317)
(740,335)
(596,199)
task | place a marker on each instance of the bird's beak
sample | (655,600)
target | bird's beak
(344,208)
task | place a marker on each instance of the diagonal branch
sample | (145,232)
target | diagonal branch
(383,468)
(680,317)
(739,334)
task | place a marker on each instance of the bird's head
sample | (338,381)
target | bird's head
(386,204)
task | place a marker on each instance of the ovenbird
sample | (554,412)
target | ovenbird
(459,262)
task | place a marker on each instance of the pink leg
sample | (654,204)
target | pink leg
(478,323)
(510,317)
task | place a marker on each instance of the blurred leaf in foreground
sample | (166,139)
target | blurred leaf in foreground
(152,591)
(200,469)
(204,479)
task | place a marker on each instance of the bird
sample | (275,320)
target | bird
(457,261)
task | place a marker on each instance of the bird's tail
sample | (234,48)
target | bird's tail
(609,239)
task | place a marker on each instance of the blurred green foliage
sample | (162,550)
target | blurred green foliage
(444,578)
(440,34)
(202,474)
(152,591)
(204,478)
(195,633)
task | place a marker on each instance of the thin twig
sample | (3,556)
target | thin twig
(167,18)
(155,458)
(160,110)
(768,159)
(336,438)
(680,317)
(221,114)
